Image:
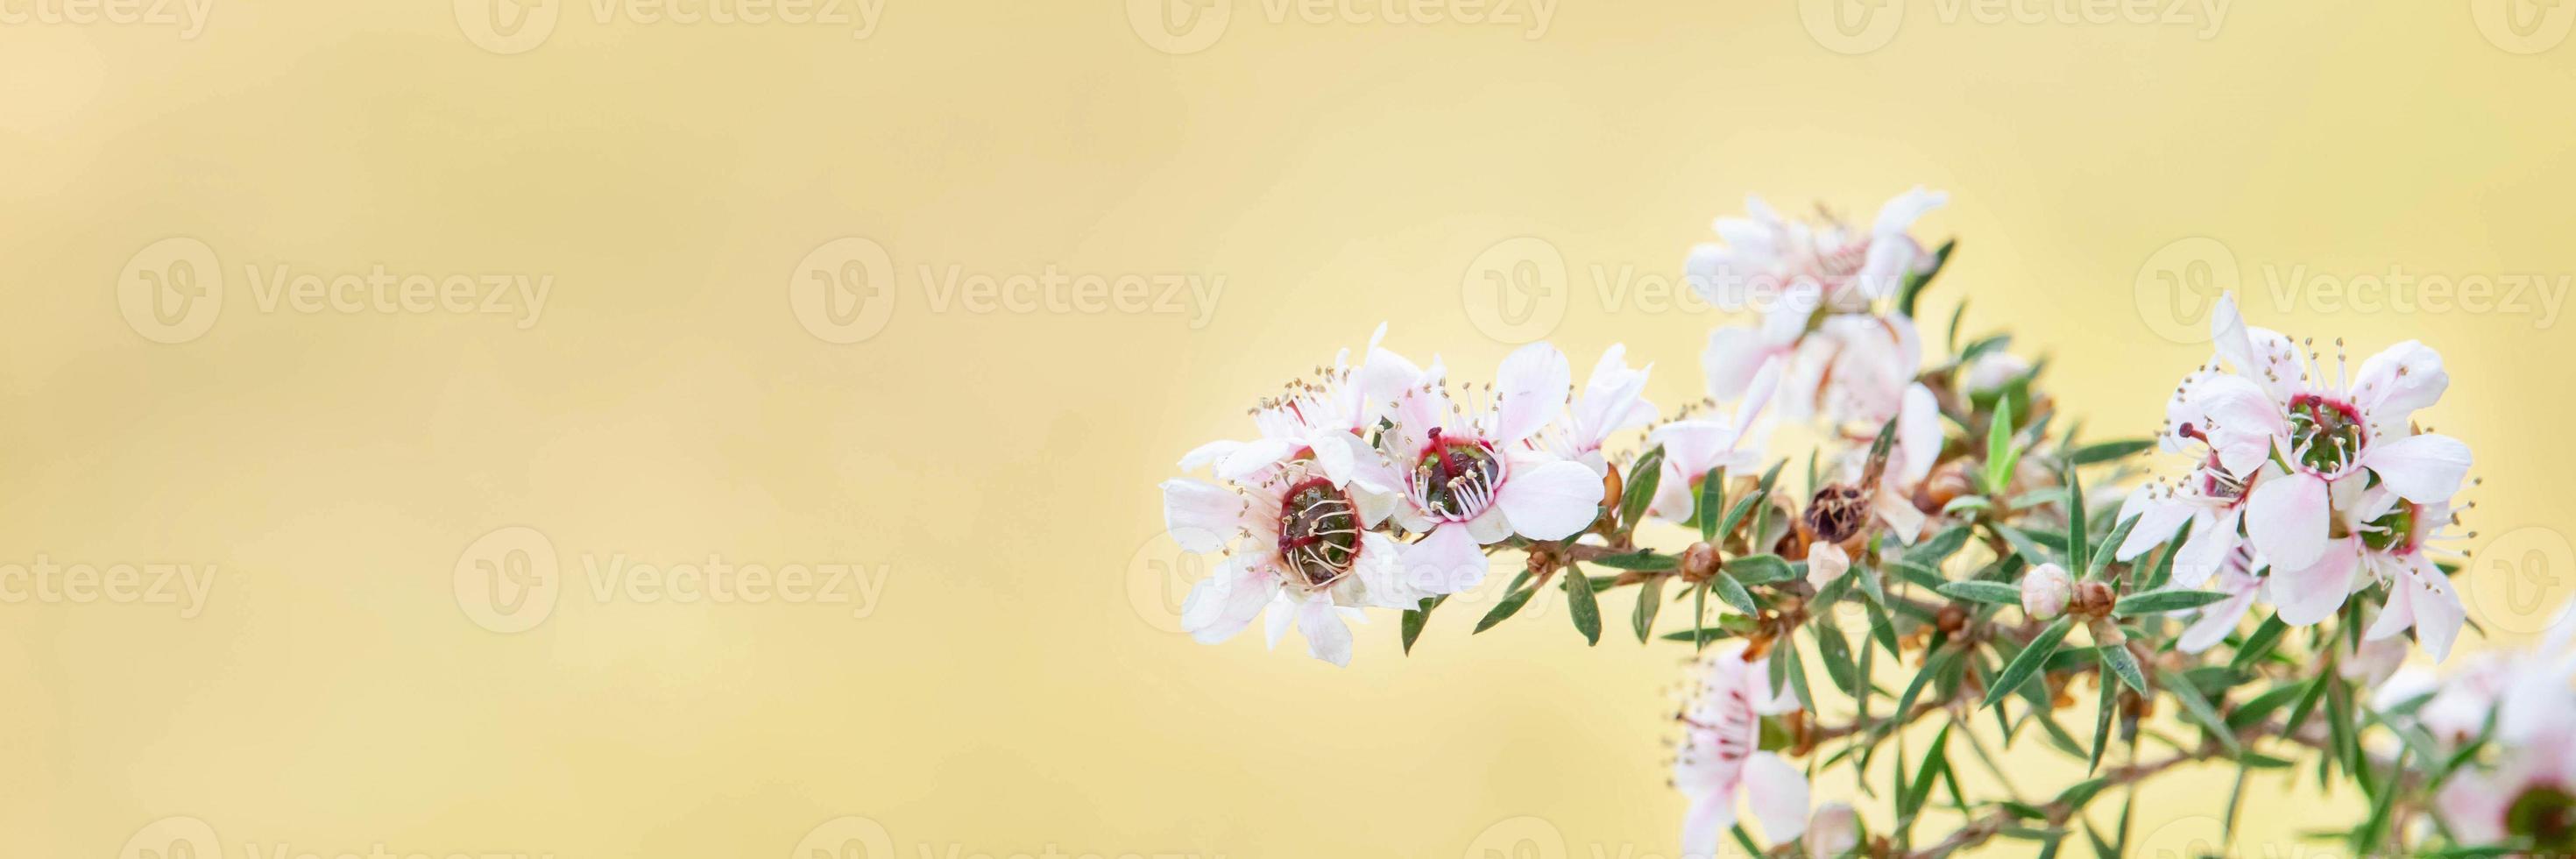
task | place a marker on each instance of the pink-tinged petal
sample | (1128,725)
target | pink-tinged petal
(2436,607)
(1225,602)
(1256,455)
(1674,497)
(2227,333)
(1282,614)
(2305,595)
(1201,516)
(1381,575)
(1733,356)
(1825,563)
(2158,518)
(1710,816)
(2204,553)
(2215,622)
(2286,519)
(1327,637)
(2399,381)
(1767,701)
(2473,806)
(1918,434)
(1552,501)
(1778,794)
(1207,453)
(1890,260)
(1444,561)
(1611,398)
(2421,468)
(1530,389)
(1899,214)
(1336,455)
(2394,618)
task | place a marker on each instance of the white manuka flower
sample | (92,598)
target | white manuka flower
(2208,499)
(2323,431)
(2530,794)
(1294,540)
(1472,479)
(1851,368)
(1326,420)
(2388,536)
(1612,400)
(1788,269)
(1695,446)
(1720,761)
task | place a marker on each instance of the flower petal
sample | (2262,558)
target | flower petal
(1201,516)
(1778,794)
(1825,563)
(1530,390)
(1327,637)
(1225,602)
(1552,501)
(2286,519)
(1444,561)
(1734,354)
(2305,595)
(2420,468)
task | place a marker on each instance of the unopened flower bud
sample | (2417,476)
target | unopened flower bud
(2093,600)
(2045,591)
(1699,563)
(1825,563)
(1832,831)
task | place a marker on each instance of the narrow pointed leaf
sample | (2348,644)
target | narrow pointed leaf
(2029,660)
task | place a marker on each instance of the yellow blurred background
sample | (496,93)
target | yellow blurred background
(911,305)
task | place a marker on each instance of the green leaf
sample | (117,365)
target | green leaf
(1643,477)
(1414,618)
(1509,605)
(2028,661)
(2109,548)
(1797,672)
(2261,707)
(1581,604)
(2260,644)
(1996,593)
(2117,659)
(1914,283)
(1712,497)
(2076,548)
(2022,543)
(1919,789)
(1732,592)
(2158,602)
(1760,569)
(1836,651)
(1940,547)
(2000,455)
(2199,709)
(1642,560)
(1650,599)
(2108,704)
(1917,573)
(2109,450)
(1699,617)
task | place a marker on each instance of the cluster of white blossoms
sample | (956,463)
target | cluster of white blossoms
(2311,477)
(1308,515)
(1948,509)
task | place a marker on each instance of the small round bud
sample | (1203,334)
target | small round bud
(2093,599)
(2045,591)
(1699,563)
(1833,830)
